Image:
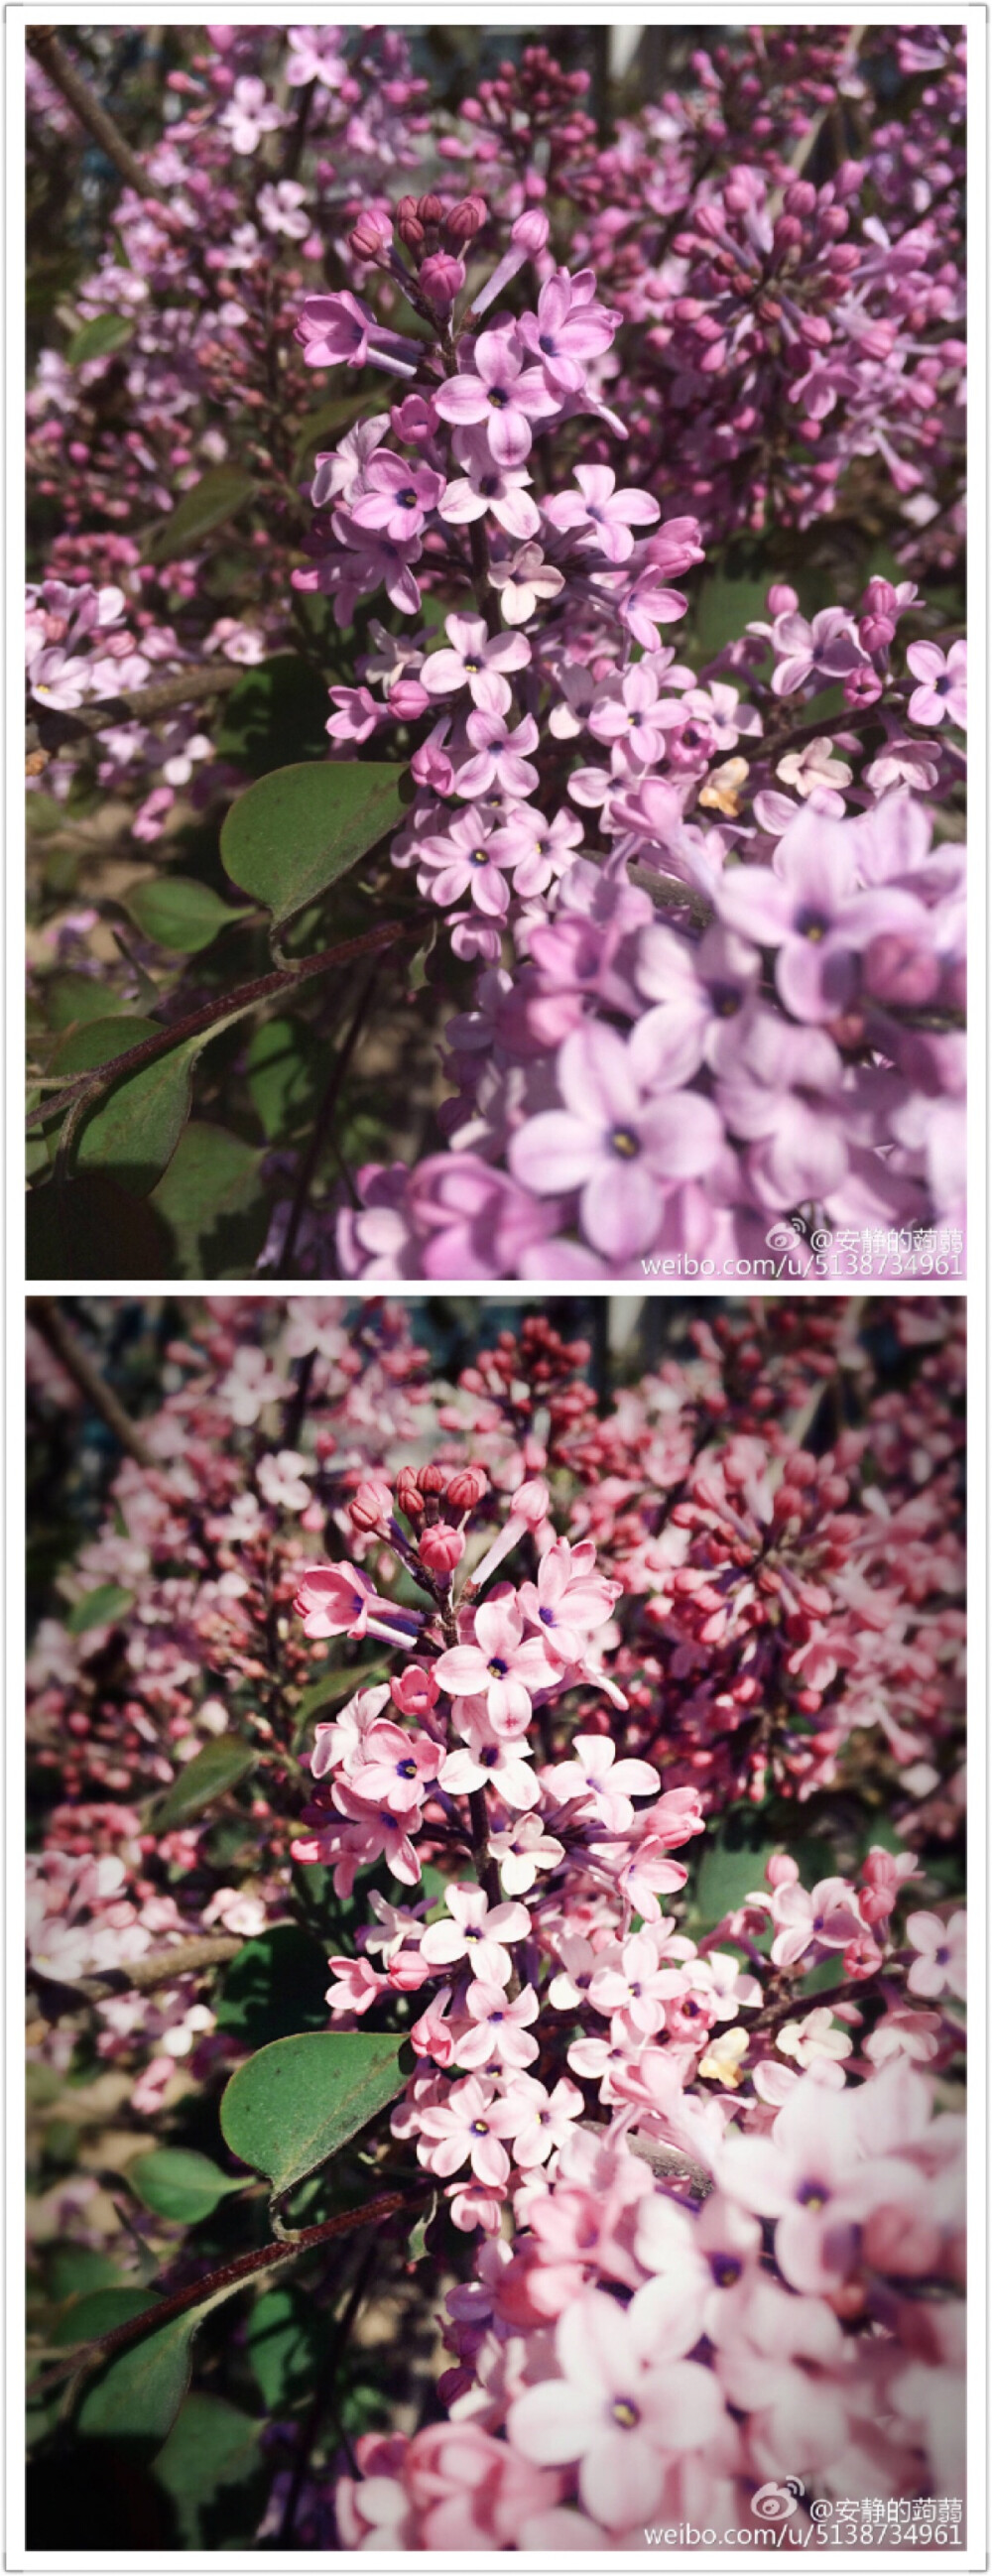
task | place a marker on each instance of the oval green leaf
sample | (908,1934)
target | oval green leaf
(100,338)
(136,2397)
(180,913)
(294,833)
(218,1765)
(222,491)
(95,1609)
(295,2103)
(97,2314)
(179,2184)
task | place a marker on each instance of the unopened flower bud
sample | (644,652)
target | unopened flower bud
(782,599)
(411,232)
(433,1479)
(370,1506)
(409,1498)
(430,210)
(898,968)
(530,232)
(442,278)
(414,1691)
(408,699)
(531,1503)
(876,633)
(370,238)
(440,1549)
(467,1487)
(463,221)
(781,1870)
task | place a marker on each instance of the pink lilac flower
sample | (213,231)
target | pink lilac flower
(501,393)
(940,1965)
(944,684)
(462,860)
(568,328)
(477,661)
(397,498)
(523,580)
(488,1760)
(498,756)
(569,1599)
(476,1932)
(604,1786)
(499,1664)
(812,911)
(606,515)
(488,489)
(468,2127)
(626,2399)
(813,2177)
(500,2034)
(622,1139)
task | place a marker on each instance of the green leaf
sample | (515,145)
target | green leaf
(96,1609)
(44,814)
(277,713)
(137,2395)
(180,2184)
(294,2104)
(275,1987)
(212,1197)
(286,2339)
(71,2269)
(218,495)
(97,2312)
(331,1688)
(295,832)
(93,1229)
(132,1132)
(214,2475)
(180,913)
(218,1766)
(72,999)
(99,338)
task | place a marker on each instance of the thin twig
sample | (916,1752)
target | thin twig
(157,1968)
(485,1865)
(244,2266)
(45,45)
(321,1124)
(324,2391)
(46,1314)
(58,727)
(214,1015)
(298,130)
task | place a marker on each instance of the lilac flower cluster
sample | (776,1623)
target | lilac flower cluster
(722,963)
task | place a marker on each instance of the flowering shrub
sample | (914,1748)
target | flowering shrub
(565,530)
(516,1819)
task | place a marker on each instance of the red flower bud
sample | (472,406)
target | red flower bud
(440,1549)
(409,1498)
(370,1506)
(467,1487)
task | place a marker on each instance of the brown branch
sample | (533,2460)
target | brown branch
(45,44)
(55,728)
(158,1968)
(89,1087)
(101,2348)
(46,1314)
(321,1127)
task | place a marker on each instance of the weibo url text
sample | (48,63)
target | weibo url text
(822,1254)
